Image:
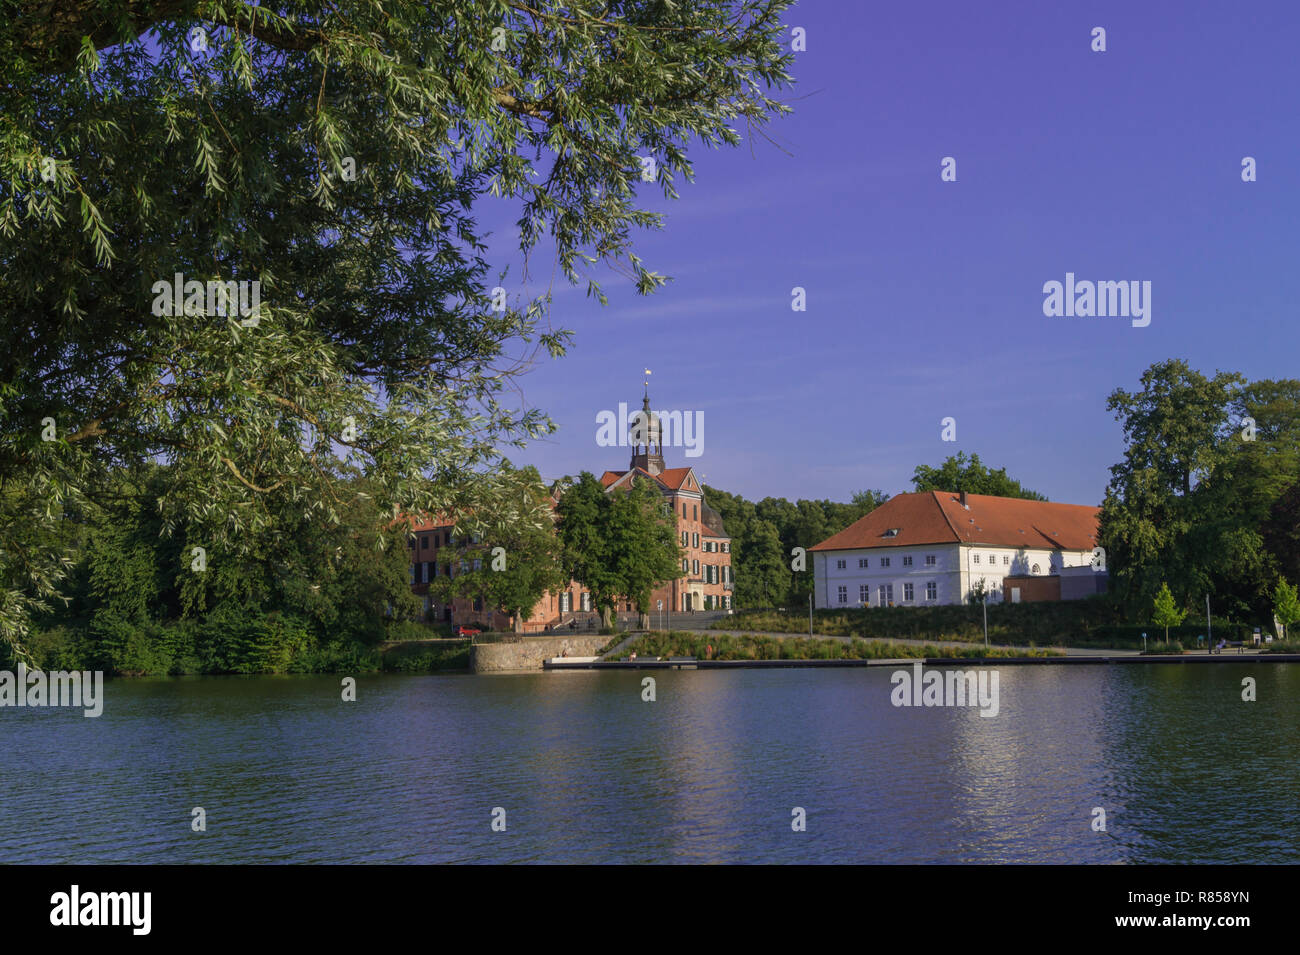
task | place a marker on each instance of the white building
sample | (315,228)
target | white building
(936,547)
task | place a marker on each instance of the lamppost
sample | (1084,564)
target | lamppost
(985,604)
(1144,642)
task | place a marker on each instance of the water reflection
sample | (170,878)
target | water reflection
(709,772)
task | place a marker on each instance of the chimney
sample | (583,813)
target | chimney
(963,499)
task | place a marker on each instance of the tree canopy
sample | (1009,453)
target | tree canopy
(514,567)
(958,473)
(617,545)
(765,534)
(340,156)
(1204,498)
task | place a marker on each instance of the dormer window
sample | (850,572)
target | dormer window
(892,532)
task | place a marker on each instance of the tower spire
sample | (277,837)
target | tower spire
(647,436)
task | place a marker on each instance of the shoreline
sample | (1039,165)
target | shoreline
(688,663)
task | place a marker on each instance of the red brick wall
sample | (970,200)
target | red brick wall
(1032,589)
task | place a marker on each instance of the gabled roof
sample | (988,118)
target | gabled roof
(938,517)
(673,479)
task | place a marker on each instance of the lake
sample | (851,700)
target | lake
(710,771)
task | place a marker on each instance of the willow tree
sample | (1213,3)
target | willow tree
(339,155)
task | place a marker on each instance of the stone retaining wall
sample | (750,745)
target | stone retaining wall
(529,653)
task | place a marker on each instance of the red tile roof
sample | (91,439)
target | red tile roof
(671,478)
(422,522)
(937,517)
(674,477)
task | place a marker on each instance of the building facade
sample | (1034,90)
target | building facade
(706,581)
(938,547)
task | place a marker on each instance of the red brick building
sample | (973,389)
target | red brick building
(706,581)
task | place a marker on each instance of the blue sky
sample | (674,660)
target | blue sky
(925,297)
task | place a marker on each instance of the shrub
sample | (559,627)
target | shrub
(426,660)
(1092,622)
(754,647)
(414,630)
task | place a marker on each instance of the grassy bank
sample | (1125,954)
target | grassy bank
(1284,646)
(1094,622)
(413,658)
(681,643)
(251,645)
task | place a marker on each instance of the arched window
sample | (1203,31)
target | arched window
(1035,569)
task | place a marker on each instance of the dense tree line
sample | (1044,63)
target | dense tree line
(764,536)
(139,600)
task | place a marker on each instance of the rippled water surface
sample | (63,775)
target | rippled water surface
(709,772)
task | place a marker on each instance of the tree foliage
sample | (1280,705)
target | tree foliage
(644,544)
(341,155)
(585,515)
(1286,605)
(1166,612)
(138,601)
(515,565)
(764,536)
(958,473)
(620,545)
(1204,497)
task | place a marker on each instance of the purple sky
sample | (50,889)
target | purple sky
(925,297)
